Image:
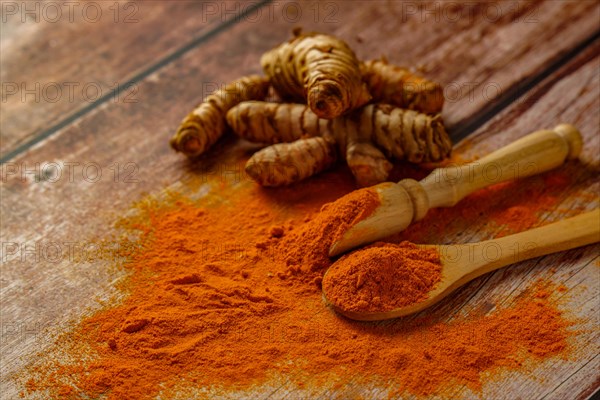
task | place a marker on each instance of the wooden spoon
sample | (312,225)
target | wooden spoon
(464,262)
(408,200)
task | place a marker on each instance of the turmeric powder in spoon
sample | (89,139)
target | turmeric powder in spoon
(383,277)
(386,281)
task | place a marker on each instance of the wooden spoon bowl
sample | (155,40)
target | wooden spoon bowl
(465,262)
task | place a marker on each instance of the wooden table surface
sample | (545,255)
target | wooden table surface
(95,91)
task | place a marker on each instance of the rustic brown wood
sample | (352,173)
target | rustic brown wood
(567,95)
(40,296)
(450,42)
(58,59)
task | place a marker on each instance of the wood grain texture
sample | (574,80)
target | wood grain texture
(567,95)
(59,58)
(40,295)
(454,42)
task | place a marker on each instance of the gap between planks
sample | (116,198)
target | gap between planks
(519,89)
(135,79)
(476,121)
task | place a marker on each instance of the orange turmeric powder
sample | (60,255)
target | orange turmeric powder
(382,277)
(333,220)
(220,296)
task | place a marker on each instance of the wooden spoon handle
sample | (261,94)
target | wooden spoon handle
(535,153)
(567,234)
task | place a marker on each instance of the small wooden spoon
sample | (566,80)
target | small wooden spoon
(465,262)
(408,200)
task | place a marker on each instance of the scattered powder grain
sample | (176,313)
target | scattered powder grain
(220,296)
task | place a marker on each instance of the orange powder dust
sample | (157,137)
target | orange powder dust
(382,277)
(212,302)
(220,296)
(333,220)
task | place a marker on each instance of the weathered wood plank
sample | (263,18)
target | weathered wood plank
(566,96)
(60,58)
(454,42)
(64,211)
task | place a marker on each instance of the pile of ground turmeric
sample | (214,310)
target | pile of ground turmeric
(220,299)
(334,122)
(382,277)
(328,226)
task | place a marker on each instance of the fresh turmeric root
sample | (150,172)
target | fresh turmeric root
(366,139)
(264,122)
(398,86)
(286,163)
(206,123)
(318,69)
(368,164)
